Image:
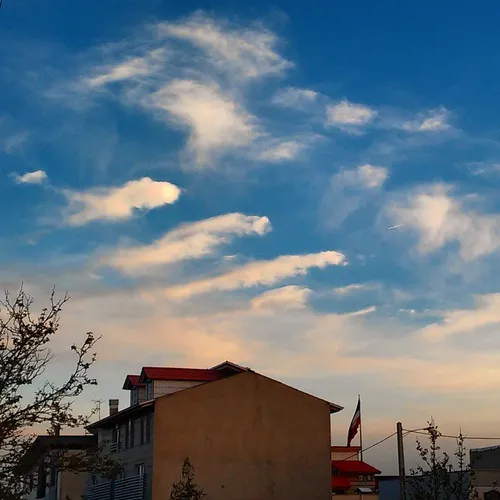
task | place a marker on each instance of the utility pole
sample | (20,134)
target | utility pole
(401,462)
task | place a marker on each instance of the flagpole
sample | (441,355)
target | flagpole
(360,429)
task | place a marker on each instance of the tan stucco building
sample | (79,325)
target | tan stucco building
(248,436)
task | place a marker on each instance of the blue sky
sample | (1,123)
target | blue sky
(309,190)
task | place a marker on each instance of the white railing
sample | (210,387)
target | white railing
(129,488)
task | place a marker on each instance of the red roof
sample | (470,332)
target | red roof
(342,483)
(132,381)
(355,466)
(186,374)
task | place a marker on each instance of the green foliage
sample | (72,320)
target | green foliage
(186,489)
(436,478)
(27,400)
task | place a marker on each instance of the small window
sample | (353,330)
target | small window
(127,435)
(139,469)
(148,428)
(141,430)
(93,479)
(149,390)
(132,433)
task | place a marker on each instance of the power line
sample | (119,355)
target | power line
(478,438)
(370,447)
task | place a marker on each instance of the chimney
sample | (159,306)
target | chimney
(113,406)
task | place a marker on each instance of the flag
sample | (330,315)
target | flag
(355,423)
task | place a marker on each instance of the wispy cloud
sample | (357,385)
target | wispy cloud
(434,120)
(440,219)
(189,241)
(295,98)
(36,177)
(486,313)
(285,297)
(349,116)
(263,272)
(279,151)
(131,68)
(118,203)
(241,52)
(215,120)
(349,189)
(355,287)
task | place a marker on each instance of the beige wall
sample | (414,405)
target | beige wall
(72,485)
(248,437)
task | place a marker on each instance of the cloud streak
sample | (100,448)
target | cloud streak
(189,241)
(118,203)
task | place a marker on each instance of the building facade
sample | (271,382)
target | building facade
(485,464)
(351,475)
(46,482)
(249,437)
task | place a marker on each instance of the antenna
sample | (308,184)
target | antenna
(97,402)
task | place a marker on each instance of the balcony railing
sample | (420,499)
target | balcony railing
(114,447)
(129,488)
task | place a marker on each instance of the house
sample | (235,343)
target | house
(351,475)
(485,464)
(248,436)
(46,481)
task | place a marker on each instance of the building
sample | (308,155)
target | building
(350,475)
(47,482)
(248,436)
(485,464)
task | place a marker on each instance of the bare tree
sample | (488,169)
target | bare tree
(436,478)
(27,400)
(186,488)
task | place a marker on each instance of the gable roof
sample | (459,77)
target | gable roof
(334,408)
(111,420)
(184,374)
(132,381)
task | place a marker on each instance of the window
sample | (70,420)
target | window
(53,475)
(41,482)
(139,469)
(132,433)
(127,435)
(134,396)
(115,439)
(149,390)
(148,428)
(93,480)
(141,430)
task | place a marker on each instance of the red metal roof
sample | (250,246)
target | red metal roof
(355,466)
(187,374)
(341,483)
(132,381)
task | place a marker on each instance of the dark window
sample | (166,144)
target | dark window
(139,469)
(53,475)
(115,439)
(127,435)
(41,482)
(141,430)
(93,480)
(149,390)
(132,433)
(134,396)
(148,428)
(492,495)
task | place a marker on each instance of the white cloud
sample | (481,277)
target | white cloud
(286,297)
(36,177)
(364,176)
(296,98)
(486,313)
(241,52)
(282,151)
(441,219)
(128,69)
(346,113)
(119,202)
(189,241)
(355,287)
(349,189)
(434,120)
(263,272)
(216,121)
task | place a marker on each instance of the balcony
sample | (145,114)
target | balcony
(130,488)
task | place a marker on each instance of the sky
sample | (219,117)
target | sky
(308,189)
